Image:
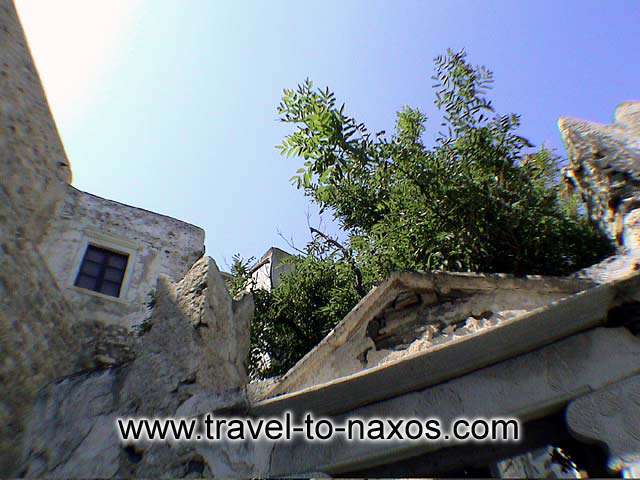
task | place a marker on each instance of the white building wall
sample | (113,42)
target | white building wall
(156,244)
(269,269)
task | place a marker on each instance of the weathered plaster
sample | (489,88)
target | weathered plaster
(459,356)
(410,313)
(156,245)
(267,272)
(527,387)
(611,416)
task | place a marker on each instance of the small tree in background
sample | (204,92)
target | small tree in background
(293,318)
(475,200)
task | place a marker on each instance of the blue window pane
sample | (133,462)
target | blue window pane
(117,261)
(113,275)
(94,254)
(91,268)
(102,271)
(110,288)
(85,281)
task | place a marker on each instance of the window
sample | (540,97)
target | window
(102,271)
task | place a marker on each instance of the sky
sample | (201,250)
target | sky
(170,105)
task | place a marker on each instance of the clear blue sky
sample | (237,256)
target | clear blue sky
(181,119)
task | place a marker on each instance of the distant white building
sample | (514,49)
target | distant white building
(267,272)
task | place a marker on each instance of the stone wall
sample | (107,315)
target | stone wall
(266,273)
(604,165)
(189,361)
(36,342)
(35,169)
(156,245)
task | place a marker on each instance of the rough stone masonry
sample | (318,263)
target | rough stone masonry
(189,361)
(57,407)
(36,342)
(605,167)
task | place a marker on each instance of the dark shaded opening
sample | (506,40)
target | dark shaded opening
(102,271)
(133,455)
(626,315)
(479,460)
(195,466)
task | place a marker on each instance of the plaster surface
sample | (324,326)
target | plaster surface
(412,313)
(156,245)
(527,387)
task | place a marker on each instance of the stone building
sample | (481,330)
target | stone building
(107,256)
(560,354)
(50,326)
(267,271)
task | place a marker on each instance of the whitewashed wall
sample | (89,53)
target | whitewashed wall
(270,268)
(156,244)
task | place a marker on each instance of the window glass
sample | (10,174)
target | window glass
(94,254)
(110,288)
(91,268)
(102,271)
(119,261)
(86,282)
(113,274)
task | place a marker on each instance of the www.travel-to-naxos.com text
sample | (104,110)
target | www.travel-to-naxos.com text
(212,428)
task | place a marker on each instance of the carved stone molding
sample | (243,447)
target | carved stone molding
(611,416)
(604,165)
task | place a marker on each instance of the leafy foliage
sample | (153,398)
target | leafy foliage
(474,201)
(477,199)
(240,275)
(292,318)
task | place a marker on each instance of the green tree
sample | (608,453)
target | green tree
(477,199)
(473,201)
(293,318)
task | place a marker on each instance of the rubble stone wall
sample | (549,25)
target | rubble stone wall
(36,342)
(604,165)
(155,245)
(189,361)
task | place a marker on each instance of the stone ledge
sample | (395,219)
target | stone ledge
(455,358)
(527,387)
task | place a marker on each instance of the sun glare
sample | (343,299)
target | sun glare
(74,43)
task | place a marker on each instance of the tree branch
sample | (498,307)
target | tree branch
(290,242)
(348,257)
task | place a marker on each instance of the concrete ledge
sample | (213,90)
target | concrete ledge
(440,283)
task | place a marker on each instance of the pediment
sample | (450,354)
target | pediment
(414,312)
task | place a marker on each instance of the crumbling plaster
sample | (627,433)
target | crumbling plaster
(604,165)
(413,312)
(156,245)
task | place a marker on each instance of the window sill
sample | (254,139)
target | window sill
(98,294)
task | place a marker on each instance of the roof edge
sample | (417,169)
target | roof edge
(137,208)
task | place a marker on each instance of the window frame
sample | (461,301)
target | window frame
(111,243)
(101,278)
